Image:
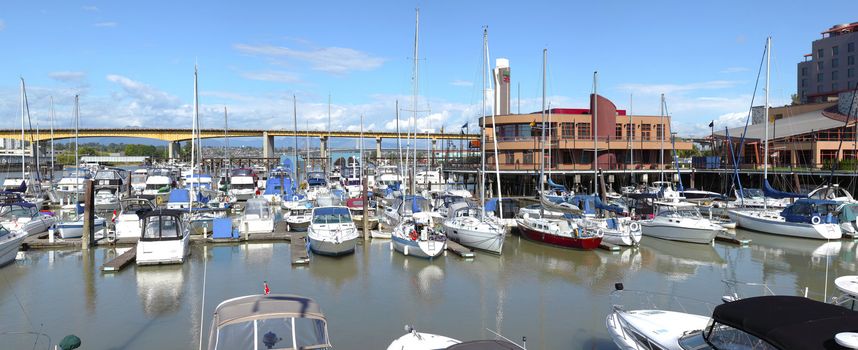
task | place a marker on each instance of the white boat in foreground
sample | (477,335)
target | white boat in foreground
(164,238)
(275,321)
(414,340)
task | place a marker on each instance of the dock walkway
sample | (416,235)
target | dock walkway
(121,261)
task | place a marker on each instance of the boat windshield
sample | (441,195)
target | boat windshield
(134,206)
(721,336)
(335,215)
(273,333)
(241,172)
(316,175)
(107,175)
(4,231)
(694,341)
(161,227)
(242,186)
(138,178)
(15,211)
(355,182)
(752,192)
(257,209)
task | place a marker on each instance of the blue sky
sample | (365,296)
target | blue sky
(132,62)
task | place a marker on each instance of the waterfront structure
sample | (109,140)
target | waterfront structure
(830,67)
(800,136)
(625,142)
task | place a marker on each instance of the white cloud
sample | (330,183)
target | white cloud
(105,24)
(728,120)
(67,77)
(90,8)
(143,94)
(276,76)
(669,89)
(335,60)
(461,83)
(734,70)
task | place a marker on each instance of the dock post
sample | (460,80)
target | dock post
(365,221)
(86,240)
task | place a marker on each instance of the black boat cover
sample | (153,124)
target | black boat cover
(788,322)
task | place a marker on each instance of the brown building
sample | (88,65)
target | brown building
(624,142)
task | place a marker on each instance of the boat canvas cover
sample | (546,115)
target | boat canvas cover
(773,193)
(849,212)
(485,345)
(236,320)
(788,322)
(179,195)
(803,210)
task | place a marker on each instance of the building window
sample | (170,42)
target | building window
(803,71)
(834,75)
(850,73)
(819,77)
(803,82)
(819,65)
(850,60)
(618,133)
(630,131)
(850,47)
(568,130)
(819,89)
(659,132)
(645,131)
(528,157)
(834,63)
(835,50)
(820,53)
(833,86)
(583,131)
(510,157)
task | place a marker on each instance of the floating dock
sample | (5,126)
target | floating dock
(460,250)
(609,247)
(298,246)
(119,262)
(731,238)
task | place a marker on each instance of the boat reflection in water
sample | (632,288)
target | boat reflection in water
(258,253)
(160,289)
(678,260)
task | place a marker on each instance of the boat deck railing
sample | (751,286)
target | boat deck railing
(647,300)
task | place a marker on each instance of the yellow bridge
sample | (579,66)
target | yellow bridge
(173,136)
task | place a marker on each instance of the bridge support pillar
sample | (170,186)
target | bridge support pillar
(377,149)
(431,159)
(267,145)
(323,148)
(173,149)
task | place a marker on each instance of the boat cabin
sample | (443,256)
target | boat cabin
(813,211)
(162,225)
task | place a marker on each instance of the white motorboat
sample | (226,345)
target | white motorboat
(106,197)
(258,217)
(72,181)
(621,231)
(126,221)
(158,183)
(271,321)
(10,242)
(355,205)
(473,228)
(25,217)
(299,219)
(387,176)
(414,236)
(332,231)
(138,180)
(164,238)
(414,340)
(680,221)
(428,180)
(242,184)
(806,218)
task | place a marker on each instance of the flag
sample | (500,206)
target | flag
(265,284)
(712,124)
(465,126)
(113,218)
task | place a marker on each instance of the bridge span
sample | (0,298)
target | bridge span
(174,136)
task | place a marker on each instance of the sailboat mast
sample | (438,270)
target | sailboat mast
(76,156)
(494,137)
(766,115)
(194,127)
(23,106)
(661,153)
(542,134)
(225,134)
(52,138)
(595,131)
(295,125)
(629,134)
(399,141)
(414,96)
(360,153)
(483,123)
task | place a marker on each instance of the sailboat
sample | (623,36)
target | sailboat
(805,218)
(468,225)
(414,234)
(564,231)
(74,228)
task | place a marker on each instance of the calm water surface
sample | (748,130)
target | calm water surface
(557,298)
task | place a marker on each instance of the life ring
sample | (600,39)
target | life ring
(815,220)
(576,232)
(159,200)
(295,198)
(413,235)
(634,226)
(599,233)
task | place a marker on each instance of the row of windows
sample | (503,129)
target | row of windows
(835,63)
(835,50)
(834,76)
(520,132)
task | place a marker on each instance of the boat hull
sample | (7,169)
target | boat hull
(585,243)
(771,225)
(485,239)
(622,238)
(74,229)
(669,232)
(421,249)
(324,247)
(9,248)
(162,252)
(298,225)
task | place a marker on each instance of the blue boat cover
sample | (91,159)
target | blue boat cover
(491,205)
(556,186)
(803,210)
(222,228)
(273,185)
(179,195)
(773,193)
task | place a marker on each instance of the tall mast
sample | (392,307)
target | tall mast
(52,138)
(414,96)
(399,142)
(766,115)
(295,125)
(23,111)
(194,127)
(542,134)
(549,140)
(76,156)
(225,137)
(494,137)
(661,153)
(360,153)
(483,122)
(595,131)
(629,134)
(327,150)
